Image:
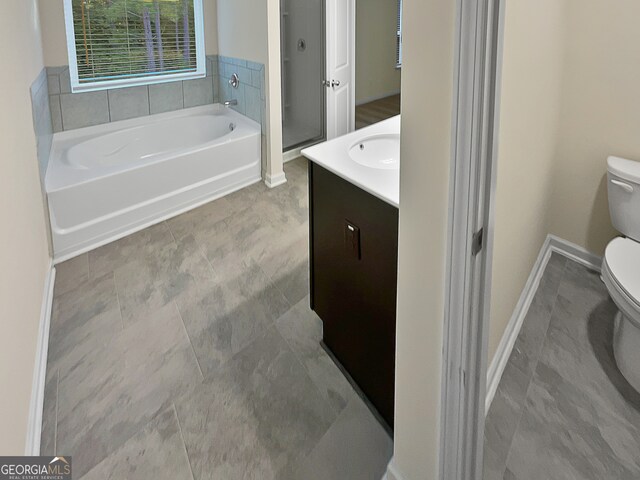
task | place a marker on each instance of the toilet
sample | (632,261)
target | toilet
(621,264)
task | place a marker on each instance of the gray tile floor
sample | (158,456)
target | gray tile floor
(188,350)
(563,409)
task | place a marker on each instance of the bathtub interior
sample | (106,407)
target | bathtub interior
(148,142)
(84,154)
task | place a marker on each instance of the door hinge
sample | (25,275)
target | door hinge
(477,242)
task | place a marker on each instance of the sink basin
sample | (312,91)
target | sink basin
(381,151)
(368,158)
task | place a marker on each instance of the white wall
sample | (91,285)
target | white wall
(24,255)
(210,8)
(570,98)
(242,29)
(427,85)
(376,75)
(55,40)
(600,115)
(250,29)
(528,138)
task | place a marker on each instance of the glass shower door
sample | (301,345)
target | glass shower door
(302,53)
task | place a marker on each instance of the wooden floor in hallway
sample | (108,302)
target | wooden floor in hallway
(376,111)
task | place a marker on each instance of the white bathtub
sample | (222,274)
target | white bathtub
(108,181)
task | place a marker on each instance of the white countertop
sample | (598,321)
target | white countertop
(334,156)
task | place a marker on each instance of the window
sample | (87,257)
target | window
(121,43)
(399,36)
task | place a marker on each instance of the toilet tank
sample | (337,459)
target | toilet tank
(623,186)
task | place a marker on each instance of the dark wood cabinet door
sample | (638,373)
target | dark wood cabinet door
(354,256)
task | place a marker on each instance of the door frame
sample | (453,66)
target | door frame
(475,126)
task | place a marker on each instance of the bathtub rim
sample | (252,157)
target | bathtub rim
(62,141)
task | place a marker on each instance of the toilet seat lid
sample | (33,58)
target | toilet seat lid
(623,259)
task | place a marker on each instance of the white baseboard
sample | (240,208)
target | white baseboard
(501,357)
(275,180)
(34,423)
(377,97)
(575,253)
(392,472)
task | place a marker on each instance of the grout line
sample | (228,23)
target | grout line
(89,265)
(534,366)
(109,105)
(89,269)
(274,285)
(55,425)
(57,75)
(201,248)
(298,356)
(184,444)
(115,284)
(166,224)
(187,334)
(206,259)
(59,98)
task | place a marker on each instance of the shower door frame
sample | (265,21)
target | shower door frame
(291,152)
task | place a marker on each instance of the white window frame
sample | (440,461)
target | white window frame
(77,87)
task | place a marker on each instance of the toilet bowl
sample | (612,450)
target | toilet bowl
(621,275)
(621,264)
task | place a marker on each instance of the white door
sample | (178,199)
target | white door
(340,65)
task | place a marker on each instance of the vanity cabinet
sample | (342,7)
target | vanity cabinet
(353,261)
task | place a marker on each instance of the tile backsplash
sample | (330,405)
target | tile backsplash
(42,124)
(70,111)
(251,90)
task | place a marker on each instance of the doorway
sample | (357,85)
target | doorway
(341,64)
(378,61)
(303,58)
(318,57)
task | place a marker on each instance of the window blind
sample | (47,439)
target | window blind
(129,39)
(399,36)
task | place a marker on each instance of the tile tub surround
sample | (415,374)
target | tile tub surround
(42,124)
(70,111)
(251,90)
(562,408)
(250,94)
(191,345)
